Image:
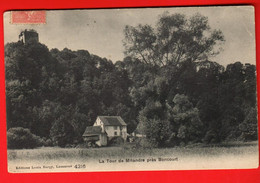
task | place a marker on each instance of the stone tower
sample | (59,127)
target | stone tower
(29,36)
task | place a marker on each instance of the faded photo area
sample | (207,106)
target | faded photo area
(131,89)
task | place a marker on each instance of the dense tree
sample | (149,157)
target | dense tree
(234,90)
(154,123)
(28,71)
(249,126)
(175,38)
(56,94)
(185,121)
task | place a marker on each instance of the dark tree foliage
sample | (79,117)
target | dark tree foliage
(185,121)
(19,138)
(154,123)
(56,94)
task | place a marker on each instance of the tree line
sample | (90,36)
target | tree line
(165,87)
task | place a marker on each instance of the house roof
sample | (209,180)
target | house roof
(112,120)
(92,130)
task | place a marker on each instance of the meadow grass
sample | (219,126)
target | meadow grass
(197,150)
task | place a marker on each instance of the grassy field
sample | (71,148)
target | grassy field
(229,155)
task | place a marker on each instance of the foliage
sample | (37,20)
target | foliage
(154,123)
(116,141)
(186,123)
(56,94)
(175,38)
(249,126)
(19,138)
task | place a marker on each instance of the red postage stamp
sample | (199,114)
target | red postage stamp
(28,17)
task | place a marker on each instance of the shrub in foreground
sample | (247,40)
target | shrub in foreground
(22,138)
(116,141)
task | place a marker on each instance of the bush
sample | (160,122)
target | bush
(22,138)
(145,143)
(211,137)
(115,141)
(82,145)
(48,142)
(248,127)
(141,143)
(154,124)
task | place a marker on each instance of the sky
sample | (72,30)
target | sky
(100,31)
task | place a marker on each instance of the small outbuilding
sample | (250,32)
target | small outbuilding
(94,135)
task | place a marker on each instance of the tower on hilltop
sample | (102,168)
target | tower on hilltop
(29,36)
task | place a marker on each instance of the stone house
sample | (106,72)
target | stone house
(104,129)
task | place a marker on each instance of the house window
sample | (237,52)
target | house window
(115,127)
(115,133)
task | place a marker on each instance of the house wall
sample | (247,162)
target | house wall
(98,122)
(124,132)
(102,140)
(116,131)
(112,131)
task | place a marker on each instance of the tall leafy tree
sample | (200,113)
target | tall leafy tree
(175,38)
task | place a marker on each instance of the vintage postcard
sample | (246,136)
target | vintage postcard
(131,89)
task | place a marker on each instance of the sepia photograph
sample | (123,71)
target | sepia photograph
(133,89)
